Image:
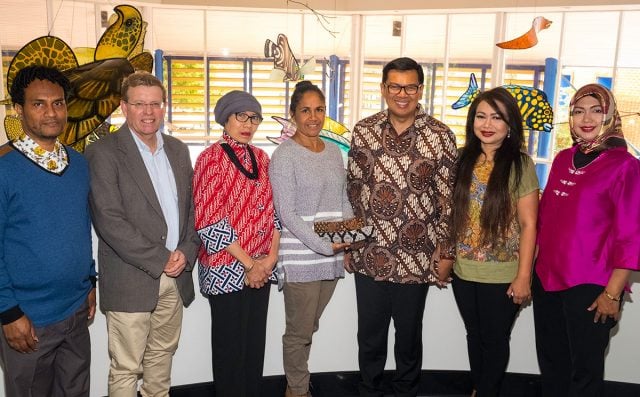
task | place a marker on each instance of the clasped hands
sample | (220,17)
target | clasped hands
(258,272)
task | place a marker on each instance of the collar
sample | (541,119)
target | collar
(240,149)
(55,161)
(142,147)
(419,119)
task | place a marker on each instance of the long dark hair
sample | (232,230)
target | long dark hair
(497,209)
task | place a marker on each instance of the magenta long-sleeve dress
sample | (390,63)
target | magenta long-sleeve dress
(589,220)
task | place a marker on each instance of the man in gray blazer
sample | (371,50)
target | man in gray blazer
(142,211)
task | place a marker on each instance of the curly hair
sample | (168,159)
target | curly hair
(28,74)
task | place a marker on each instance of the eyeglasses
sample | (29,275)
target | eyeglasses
(410,89)
(242,117)
(143,106)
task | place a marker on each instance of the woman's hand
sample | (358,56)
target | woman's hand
(607,304)
(337,247)
(520,289)
(605,307)
(257,275)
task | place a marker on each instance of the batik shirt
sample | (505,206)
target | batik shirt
(231,207)
(402,185)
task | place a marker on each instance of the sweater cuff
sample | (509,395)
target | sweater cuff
(11,315)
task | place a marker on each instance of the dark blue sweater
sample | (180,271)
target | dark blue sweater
(45,238)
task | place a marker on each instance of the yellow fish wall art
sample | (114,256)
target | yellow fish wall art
(536,111)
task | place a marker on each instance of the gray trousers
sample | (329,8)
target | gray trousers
(303,306)
(60,366)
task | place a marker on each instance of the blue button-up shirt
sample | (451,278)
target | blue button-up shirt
(164,183)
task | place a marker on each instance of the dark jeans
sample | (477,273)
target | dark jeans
(570,346)
(60,366)
(238,332)
(378,302)
(488,315)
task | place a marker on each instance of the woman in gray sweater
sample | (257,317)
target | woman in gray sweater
(309,184)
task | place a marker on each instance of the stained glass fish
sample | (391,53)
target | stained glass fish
(95,91)
(535,109)
(284,60)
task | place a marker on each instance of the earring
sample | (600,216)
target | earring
(509,133)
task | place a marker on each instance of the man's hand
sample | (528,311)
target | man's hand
(443,268)
(91,301)
(176,264)
(347,262)
(21,335)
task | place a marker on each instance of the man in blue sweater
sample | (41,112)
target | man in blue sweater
(47,275)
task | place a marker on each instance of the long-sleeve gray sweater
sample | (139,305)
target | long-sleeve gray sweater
(308,187)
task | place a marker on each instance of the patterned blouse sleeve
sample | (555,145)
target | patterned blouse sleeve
(211,220)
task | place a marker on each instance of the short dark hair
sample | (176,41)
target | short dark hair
(28,74)
(303,87)
(141,78)
(403,64)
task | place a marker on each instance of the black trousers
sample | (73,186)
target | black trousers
(488,315)
(570,346)
(238,332)
(378,302)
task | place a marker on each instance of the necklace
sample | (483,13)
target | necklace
(236,161)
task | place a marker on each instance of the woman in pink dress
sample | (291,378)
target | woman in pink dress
(588,239)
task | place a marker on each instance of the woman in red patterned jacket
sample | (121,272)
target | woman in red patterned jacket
(239,230)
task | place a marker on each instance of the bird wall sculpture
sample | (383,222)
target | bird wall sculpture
(95,92)
(530,38)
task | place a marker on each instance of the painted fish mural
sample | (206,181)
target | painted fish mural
(95,91)
(535,109)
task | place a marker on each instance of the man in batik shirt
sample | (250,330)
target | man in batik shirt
(400,180)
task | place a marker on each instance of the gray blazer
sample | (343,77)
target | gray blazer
(130,225)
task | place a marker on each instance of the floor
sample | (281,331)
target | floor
(432,384)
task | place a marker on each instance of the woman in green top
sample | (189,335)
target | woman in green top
(494,226)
